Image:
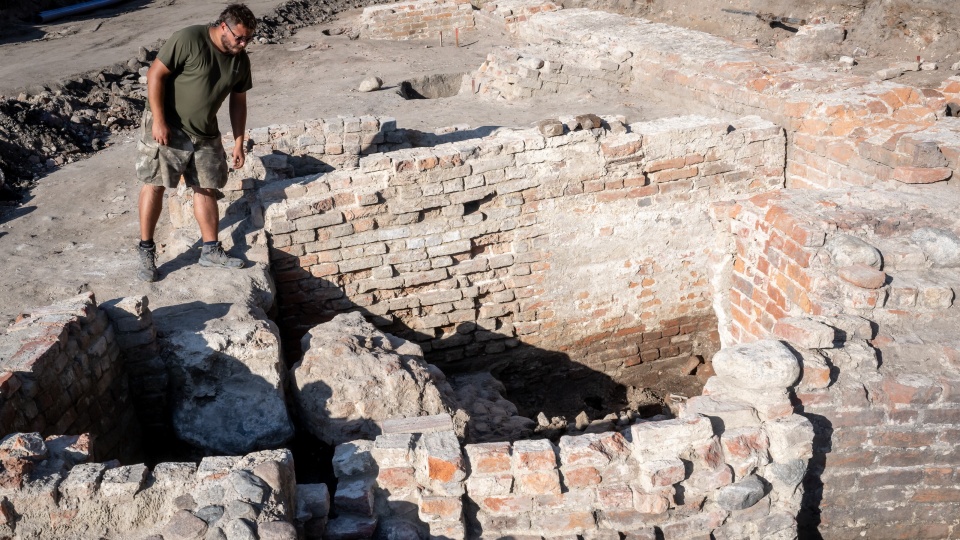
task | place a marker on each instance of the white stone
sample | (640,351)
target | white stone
(761,365)
(790,438)
(370,84)
(352,376)
(667,439)
(847,250)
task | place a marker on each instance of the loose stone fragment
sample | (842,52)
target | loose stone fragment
(550,128)
(760,365)
(740,495)
(863,276)
(370,84)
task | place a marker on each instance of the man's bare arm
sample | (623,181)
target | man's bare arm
(156,79)
(238,121)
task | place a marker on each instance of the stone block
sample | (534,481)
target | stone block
(790,438)
(596,449)
(745,449)
(313,501)
(434,509)
(123,482)
(725,413)
(862,276)
(354,497)
(706,480)
(847,250)
(667,439)
(82,481)
(652,502)
(660,473)
(805,333)
(506,504)
(393,450)
(538,483)
(489,485)
(741,495)
(760,365)
(354,459)
(276,530)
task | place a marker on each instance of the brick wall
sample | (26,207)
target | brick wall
(476,248)
(842,130)
(874,346)
(422,19)
(60,373)
(694,476)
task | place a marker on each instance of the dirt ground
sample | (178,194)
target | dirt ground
(77,228)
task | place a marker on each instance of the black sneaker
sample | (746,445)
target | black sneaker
(215,256)
(148,263)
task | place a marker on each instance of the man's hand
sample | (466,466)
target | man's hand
(160,132)
(238,157)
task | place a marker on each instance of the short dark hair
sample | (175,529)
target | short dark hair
(235,14)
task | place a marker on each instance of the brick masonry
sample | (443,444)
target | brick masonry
(476,248)
(842,130)
(424,19)
(61,373)
(687,477)
(884,409)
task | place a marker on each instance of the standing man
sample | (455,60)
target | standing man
(195,71)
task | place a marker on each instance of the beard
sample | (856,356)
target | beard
(231,50)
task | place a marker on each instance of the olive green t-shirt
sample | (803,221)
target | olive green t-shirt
(202,77)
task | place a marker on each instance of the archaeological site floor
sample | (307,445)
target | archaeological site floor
(610,278)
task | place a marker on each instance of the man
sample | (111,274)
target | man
(195,71)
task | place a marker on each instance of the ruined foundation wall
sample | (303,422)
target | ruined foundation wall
(727,467)
(478,247)
(424,19)
(885,411)
(61,374)
(842,130)
(51,490)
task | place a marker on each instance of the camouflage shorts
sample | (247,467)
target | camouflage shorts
(201,162)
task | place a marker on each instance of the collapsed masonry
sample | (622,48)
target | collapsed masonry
(803,206)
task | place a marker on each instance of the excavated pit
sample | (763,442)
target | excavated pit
(436,86)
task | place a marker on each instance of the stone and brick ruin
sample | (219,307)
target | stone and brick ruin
(778,264)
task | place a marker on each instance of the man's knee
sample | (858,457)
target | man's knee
(154,189)
(205,192)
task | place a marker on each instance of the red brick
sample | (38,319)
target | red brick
(902,478)
(441,508)
(581,477)
(651,503)
(489,458)
(397,479)
(863,276)
(539,483)
(896,392)
(921,175)
(951,495)
(570,522)
(509,504)
(615,497)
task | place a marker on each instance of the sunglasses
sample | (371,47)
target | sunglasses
(240,39)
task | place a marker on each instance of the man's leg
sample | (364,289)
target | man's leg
(208,217)
(207,214)
(150,205)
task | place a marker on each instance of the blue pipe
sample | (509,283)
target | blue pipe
(54,14)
